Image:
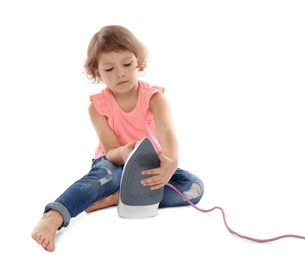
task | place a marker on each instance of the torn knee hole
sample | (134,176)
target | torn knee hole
(194,191)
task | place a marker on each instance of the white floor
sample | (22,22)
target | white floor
(234,73)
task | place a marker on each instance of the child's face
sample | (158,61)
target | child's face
(118,70)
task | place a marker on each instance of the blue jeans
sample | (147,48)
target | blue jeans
(104,179)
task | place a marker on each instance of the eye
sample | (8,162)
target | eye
(128,64)
(108,70)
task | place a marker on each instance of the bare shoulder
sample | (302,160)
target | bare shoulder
(91,106)
(158,99)
(91,109)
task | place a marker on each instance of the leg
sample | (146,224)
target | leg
(189,184)
(109,201)
(102,181)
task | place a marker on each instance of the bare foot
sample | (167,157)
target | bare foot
(45,230)
(111,200)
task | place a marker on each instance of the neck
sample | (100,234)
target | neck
(127,101)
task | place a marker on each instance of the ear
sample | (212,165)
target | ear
(97,74)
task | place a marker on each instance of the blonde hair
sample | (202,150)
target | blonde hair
(113,38)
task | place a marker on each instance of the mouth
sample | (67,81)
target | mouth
(122,82)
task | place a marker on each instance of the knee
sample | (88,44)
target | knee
(195,192)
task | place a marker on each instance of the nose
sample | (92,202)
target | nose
(120,74)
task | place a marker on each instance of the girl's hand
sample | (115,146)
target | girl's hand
(127,149)
(162,174)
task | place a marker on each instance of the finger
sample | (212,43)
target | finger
(151,171)
(148,181)
(156,187)
(155,180)
(133,144)
(161,156)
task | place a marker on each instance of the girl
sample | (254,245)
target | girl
(124,112)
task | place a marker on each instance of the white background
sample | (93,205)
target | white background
(234,74)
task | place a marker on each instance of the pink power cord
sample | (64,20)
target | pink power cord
(224,219)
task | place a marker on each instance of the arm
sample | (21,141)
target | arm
(115,153)
(167,138)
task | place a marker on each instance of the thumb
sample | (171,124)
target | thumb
(133,144)
(161,156)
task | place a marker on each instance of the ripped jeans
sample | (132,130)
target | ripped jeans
(104,179)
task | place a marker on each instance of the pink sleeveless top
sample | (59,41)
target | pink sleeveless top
(134,125)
